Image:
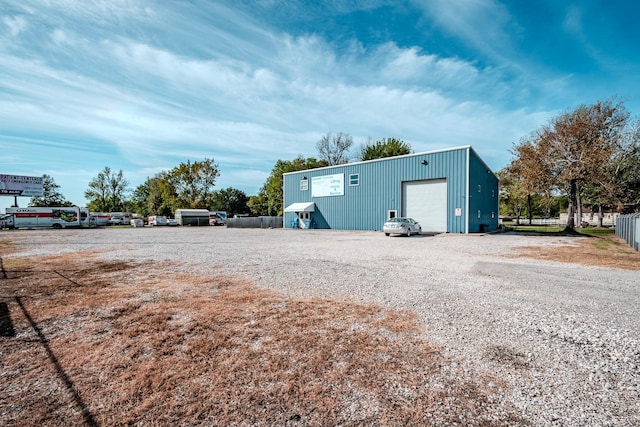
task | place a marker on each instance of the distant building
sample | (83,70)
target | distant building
(591,218)
(197,217)
(447,191)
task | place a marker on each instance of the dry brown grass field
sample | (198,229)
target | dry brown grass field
(603,251)
(87,342)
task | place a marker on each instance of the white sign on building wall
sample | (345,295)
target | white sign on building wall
(327,185)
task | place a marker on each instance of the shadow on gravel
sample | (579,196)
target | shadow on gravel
(6,325)
(413,236)
(561,233)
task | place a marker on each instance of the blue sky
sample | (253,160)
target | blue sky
(145,85)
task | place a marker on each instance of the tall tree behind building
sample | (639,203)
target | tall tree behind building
(334,149)
(572,152)
(386,147)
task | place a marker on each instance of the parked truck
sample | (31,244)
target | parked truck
(119,218)
(56,217)
(217,218)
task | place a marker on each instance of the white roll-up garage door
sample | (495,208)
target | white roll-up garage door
(426,202)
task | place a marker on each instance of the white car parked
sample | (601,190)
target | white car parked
(401,225)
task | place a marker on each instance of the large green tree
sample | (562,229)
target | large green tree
(156,196)
(107,192)
(51,194)
(139,197)
(269,199)
(230,200)
(572,151)
(386,147)
(193,183)
(258,204)
(513,197)
(623,172)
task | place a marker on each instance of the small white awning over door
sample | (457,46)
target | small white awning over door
(301,207)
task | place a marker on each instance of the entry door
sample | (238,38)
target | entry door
(426,202)
(304,219)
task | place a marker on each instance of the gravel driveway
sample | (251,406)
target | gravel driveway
(565,337)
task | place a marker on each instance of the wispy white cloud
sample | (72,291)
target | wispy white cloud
(486,25)
(15,24)
(573,25)
(153,86)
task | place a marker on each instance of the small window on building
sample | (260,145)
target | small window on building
(479,214)
(392,214)
(304,184)
(493,215)
(479,188)
(493,193)
(354,179)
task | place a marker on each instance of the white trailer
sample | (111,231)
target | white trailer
(101,218)
(56,217)
(157,220)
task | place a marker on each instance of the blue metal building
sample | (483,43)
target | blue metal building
(449,190)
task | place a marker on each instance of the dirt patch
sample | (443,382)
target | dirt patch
(605,251)
(121,343)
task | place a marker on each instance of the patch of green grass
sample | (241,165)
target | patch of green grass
(590,231)
(605,244)
(596,231)
(534,228)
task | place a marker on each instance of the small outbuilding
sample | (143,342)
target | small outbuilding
(192,216)
(446,191)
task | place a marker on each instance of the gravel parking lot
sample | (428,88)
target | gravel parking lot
(565,337)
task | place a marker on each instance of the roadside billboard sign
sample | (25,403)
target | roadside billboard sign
(25,186)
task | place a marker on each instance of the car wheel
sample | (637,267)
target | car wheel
(408,232)
(387,234)
(57,226)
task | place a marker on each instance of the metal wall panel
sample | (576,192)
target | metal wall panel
(483,195)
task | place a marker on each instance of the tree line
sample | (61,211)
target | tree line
(191,185)
(585,157)
(188,185)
